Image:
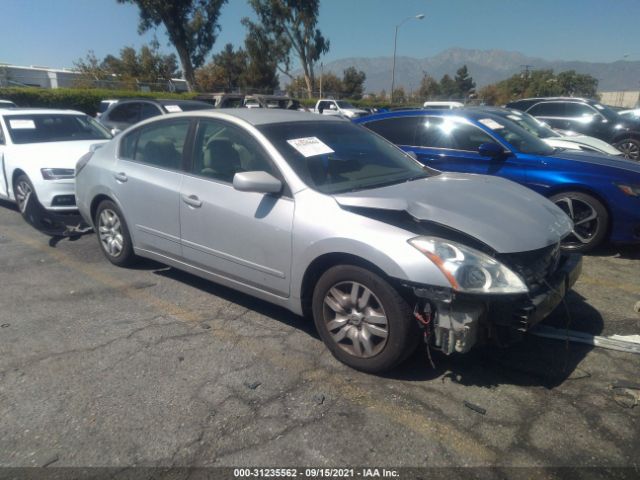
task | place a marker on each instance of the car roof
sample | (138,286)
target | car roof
(39,111)
(262,116)
(472,113)
(555,99)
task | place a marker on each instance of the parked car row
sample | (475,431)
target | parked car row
(382,245)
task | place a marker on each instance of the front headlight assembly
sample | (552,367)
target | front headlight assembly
(467,269)
(57,173)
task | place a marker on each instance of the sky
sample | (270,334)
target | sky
(56,33)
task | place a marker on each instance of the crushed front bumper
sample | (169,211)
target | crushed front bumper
(459,321)
(55,223)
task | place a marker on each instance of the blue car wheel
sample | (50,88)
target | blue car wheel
(590,220)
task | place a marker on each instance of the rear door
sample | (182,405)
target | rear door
(4,181)
(148,175)
(243,236)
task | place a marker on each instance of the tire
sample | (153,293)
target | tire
(630,147)
(24,192)
(359,337)
(113,234)
(590,217)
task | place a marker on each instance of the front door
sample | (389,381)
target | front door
(147,180)
(243,236)
(451,145)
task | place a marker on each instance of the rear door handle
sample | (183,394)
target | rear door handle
(121,176)
(192,201)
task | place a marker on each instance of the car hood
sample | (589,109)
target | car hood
(585,140)
(599,159)
(53,154)
(502,214)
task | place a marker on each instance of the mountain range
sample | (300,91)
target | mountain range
(485,66)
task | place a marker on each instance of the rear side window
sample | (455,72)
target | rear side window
(147,110)
(548,109)
(160,144)
(578,110)
(400,130)
(125,113)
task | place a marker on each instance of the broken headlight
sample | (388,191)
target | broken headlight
(467,269)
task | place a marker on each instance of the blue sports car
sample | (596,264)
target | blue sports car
(600,193)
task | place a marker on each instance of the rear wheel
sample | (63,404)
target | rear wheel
(362,319)
(590,220)
(630,148)
(113,234)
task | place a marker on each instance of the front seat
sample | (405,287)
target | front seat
(221,161)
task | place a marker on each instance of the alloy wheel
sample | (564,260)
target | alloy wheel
(355,319)
(586,221)
(630,150)
(23,194)
(110,232)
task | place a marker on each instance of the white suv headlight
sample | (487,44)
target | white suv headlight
(57,173)
(467,269)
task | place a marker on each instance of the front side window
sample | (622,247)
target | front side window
(160,144)
(337,157)
(221,150)
(579,110)
(451,133)
(41,128)
(399,130)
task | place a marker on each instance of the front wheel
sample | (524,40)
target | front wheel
(24,193)
(590,220)
(630,148)
(362,319)
(113,234)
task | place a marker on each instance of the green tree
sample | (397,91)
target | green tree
(448,87)
(353,83)
(464,82)
(192,26)
(399,95)
(429,88)
(285,27)
(577,84)
(233,63)
(261,72)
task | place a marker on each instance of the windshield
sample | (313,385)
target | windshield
(530,124)
(521,139)
(53,127)
(343,104)
(337,157)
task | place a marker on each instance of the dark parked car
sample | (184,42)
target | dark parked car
(124,113)
(587,117)
(600,193)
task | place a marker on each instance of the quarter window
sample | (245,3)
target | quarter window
(222,150)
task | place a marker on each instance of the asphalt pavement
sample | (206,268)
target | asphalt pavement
(103,366)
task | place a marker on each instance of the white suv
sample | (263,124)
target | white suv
(39,149)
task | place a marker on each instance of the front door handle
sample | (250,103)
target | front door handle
(192,201)
(121,176)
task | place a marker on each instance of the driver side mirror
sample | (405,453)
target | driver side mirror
(492,150)
(115,131)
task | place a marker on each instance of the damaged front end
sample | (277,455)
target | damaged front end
(454,321)
(55,224)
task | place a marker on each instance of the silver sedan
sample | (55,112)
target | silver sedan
(331,221)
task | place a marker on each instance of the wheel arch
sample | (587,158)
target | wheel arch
(565,188)
(323,263)
(14,176)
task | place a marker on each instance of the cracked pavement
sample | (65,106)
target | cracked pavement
(101,366)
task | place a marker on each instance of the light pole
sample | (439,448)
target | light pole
(420,16)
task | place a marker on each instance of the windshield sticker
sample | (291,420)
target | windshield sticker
(310,146)
(514,117)
(173,108)
(22,124)
(489,122)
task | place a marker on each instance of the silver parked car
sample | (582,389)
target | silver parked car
(329,220)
